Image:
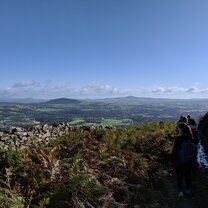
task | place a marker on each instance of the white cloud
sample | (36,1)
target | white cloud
(99,89)
(174,90)
(158,90)
(26,83)
(203,91)
(191,90)
(48,90)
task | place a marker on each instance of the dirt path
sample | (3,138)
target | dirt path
(199,196)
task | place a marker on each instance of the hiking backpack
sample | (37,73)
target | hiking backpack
(188,152)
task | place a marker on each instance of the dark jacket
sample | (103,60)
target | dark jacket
(175,158)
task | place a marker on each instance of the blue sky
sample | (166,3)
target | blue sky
(103,48)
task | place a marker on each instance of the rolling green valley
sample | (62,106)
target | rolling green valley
(112,111)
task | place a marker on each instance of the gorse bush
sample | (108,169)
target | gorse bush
(86,168)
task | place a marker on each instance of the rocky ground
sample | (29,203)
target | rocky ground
(20,138)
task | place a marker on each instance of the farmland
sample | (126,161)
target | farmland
(112,111)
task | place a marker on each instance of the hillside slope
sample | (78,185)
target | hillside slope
(64,166)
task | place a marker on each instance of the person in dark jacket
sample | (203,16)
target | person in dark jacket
(183,171)
(191,121)
(193,125)
(182,119)
(178,122)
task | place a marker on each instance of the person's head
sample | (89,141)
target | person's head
(185,120)
(184,129)
(188,116)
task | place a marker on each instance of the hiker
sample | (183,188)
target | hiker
(179,155)
(182,119)
(191,121)
(185,120)
(193,125)
(178,122)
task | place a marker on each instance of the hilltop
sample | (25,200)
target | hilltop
(62,101)
(63,166)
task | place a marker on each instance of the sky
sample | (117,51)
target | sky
(103,48)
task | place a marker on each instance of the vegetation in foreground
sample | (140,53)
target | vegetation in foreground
(93,168)
(100,167)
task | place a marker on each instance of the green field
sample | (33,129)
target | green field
(107,112)
(77,122)
(116,122)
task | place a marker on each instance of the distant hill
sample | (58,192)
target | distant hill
(63,101)
(132,100)
(119,111)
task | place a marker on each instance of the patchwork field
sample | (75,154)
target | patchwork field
(115,112)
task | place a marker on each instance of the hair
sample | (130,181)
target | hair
(185,120)
(186,130)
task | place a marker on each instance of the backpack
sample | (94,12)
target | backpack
(188,152)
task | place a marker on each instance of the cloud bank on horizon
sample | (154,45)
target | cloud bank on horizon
(49,90)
